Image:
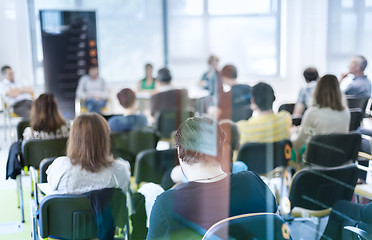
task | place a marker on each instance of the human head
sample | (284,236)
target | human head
(327,93)
(148,69)
(229,74)
(44,114)
(188,138)
(89,142)
(311,74)
(232,134)
(126,97)
(263,96)
(164,77)
(357,65)
(93,71)
(213,61)
(7,73)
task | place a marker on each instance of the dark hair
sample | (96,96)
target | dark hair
(229,71)
(327,93)
(4,68)
(362,61)
(44,114)
(212,58)
(311,74)
(164,75)
(263,96)
(148,65)
(126,97)
(89,142)
(190,136)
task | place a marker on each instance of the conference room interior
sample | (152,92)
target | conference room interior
(270,41)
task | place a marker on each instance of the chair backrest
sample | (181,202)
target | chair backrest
(44,164)
(21,125)
(333,150)
(249,226)
(35,150)
(354,101)
(356,117)
(289,107)
(71,216)
(152,164)
(128,144)
(319,189)
(264,157)
(168,122)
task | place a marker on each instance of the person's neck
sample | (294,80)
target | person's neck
(130,111)
(358,74)
(198,172)
(265,112)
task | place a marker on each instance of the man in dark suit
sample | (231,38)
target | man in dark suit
(168,98)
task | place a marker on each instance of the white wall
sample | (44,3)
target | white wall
(15,45)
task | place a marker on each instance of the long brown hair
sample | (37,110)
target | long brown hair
(328,94)
(44,114)
(89,142)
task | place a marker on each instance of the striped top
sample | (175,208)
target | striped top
(265,128)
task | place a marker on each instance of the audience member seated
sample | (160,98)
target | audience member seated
(234,103)
(45,120)
(360,85)
(168,98)
(304,98)
(92,89)
(211,194)
(328,114)
(131,119)
(147,84)
(209,78)
(15,95)
(265,126)
(346,213)
(230,145)
(89,164)
(45,123)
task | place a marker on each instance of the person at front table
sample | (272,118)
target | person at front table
(89,164)
(147,84)
(92,89)
(14,94)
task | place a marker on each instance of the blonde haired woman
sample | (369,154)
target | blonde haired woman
(328,113)
(88,165)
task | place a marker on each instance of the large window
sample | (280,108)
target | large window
(180,33)
(349,32)
(242,32)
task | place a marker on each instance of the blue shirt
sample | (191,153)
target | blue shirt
(127,123)
(360,86)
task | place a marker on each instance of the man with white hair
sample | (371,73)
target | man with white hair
(360,85)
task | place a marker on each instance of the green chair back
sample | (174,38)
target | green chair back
(71,216)
(128,144)
(35,150)
(152,164)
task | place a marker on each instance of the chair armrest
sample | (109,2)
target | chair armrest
(359,232)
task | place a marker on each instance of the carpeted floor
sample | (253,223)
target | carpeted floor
(11,227)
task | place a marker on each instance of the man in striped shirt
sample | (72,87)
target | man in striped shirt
(265,125)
